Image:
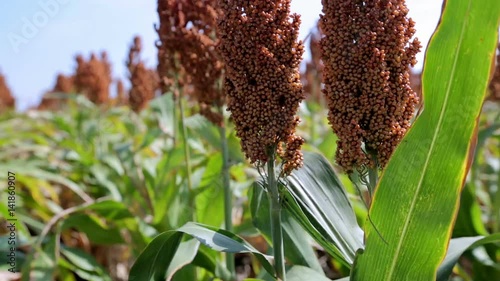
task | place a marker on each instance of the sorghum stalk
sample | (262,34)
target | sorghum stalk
(259,46)
(228,195)
(187,157)
(186,50)
(275,216)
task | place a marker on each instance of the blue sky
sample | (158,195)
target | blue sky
(39,38)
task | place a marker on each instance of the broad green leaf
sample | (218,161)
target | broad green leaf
(457,247)
(210,199)
(97,231)
(301,273)
(224,241)
(184,255)
(416,201)
(298,248)
(187,272)
(44,265)
(319,203)
(153,262)
(85,264)
(469,221)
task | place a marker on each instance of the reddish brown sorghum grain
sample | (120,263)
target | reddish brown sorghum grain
(7,101)
(176,18)
(367,51)
(311,76)
(494,87)
(187,52)
(258,43)
(93,78)
(144,81)
(64,84)
(121,94)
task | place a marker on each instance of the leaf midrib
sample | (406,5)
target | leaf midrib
(434,137)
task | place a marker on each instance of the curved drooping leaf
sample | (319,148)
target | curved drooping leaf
(298,249)
(457,247)
(416,201)
(154,262)
(184,255)
(319,203)
(301,273)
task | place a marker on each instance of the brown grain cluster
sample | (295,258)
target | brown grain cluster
(144,81)
(367,52)
(121,93)
(312,74)
(7,101)
(93,78)
(186,52)
(494,87)
(64,84)
(258,43)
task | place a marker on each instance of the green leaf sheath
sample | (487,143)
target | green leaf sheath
(416,201)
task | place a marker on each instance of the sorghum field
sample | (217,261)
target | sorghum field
(235,159)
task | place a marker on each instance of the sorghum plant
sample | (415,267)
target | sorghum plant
(188,61)
(6,99)
(311,76)
(367,52)
(93,77)
(64,84)
(258,42)
(121,93)
(144,81)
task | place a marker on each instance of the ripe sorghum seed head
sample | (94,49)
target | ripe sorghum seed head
(367,52)
(6,98)
(64,84)
(144,81)
(93,78)
(258,43)
(121,94)
(186,51)
(311,76)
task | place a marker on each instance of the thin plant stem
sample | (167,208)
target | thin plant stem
(174,121)
(228,198)
(372,179)
(187,156)
(276,229)
(372,175)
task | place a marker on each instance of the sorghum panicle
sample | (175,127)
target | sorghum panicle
(93,77)
(187,49)
(258,43)
(121,94)
(64,84)
(144,81)
(367,52)
(6,99)
(311,77)
(176,16)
